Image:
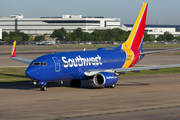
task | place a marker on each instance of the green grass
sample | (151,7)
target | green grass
(177,53)
(14,75)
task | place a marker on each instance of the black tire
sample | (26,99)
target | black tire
(112,86)
(43,88)
(78,83)
(72,83)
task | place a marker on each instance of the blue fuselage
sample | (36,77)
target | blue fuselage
(72,65)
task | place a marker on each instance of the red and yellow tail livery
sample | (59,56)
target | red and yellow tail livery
(13,53)
(135,40)
(133,44)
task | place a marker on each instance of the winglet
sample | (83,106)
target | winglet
(13,53)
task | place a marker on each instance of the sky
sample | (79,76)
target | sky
(162,12)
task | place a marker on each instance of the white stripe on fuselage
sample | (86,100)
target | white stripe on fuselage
(79,61)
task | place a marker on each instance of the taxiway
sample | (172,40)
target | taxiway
(141,97)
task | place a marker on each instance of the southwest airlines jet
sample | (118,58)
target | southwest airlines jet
(101,65)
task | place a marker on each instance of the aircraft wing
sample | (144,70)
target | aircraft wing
(111,47)
(13,55)
(132,69)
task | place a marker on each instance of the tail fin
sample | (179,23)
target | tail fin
(13,53)
(54,40)
(135,40)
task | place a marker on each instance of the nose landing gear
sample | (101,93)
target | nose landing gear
(43,88)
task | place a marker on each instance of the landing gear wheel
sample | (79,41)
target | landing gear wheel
(106,86)
(72,83)
(75,83)
(112,86)
(78,83)
(43,88)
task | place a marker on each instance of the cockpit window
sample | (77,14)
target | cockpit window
(38,63)
(43,64)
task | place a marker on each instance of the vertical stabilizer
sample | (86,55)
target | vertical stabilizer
(13,53)
(54,40)
(135,40)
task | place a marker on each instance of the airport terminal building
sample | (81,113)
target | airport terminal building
(46,25)
(157,29)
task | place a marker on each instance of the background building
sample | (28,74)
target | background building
(43,25)
(157,29)
(0,33)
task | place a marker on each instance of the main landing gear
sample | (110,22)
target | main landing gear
(110,86)
(75,83)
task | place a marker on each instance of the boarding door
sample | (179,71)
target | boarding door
(56,64)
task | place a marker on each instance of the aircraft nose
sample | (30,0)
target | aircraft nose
(30,72)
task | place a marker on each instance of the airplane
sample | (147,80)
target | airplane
(48,42)
(102,65)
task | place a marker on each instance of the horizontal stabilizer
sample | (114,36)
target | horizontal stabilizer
(150,52)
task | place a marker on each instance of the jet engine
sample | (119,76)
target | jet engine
(105,79)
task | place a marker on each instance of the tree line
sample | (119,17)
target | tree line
(17,35)
(114,34)
(78,35)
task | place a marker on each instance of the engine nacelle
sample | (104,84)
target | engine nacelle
(105,79)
